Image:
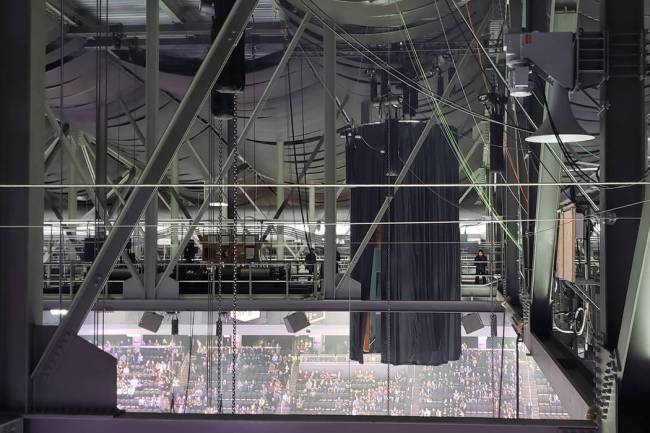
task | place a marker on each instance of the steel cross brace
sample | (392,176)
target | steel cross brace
(69,148)
(230,159)
(153,173)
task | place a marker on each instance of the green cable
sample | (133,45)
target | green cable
(451,139)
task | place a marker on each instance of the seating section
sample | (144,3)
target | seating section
(469,386)
(158,374)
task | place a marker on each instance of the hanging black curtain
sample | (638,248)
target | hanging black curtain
(418,261)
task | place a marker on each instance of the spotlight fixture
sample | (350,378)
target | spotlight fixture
(519,81)
(559,121)
(552,56)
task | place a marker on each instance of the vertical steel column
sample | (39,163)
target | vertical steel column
(547,202)
(548,198)
(329,108)
(151,103)
(101,121)
(72,193)
(173,177)
(279,199)
(622,154)
(22,80)
(311,214)
(634,354)
(623,269)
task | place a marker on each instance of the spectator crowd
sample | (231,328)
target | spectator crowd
(157,374)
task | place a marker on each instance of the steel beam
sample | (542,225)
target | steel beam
(555,371)
(387,201)
(303,173)
(623,122)
(70,148)
(50,150)
(173,423)
(173,10)
(138,132)
(186,239)
(226,167)
(152,91)
(206,174)
(279,199)
(22,80)
(548,199)
(156,167)
(101,131)
(625,272)
(340,105)
(633,345)
(174,202)
(311,214)
(341,305)
(329,109)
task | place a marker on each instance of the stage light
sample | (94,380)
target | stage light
(560,122)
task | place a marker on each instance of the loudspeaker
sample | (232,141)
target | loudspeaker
(174,325)
(151,321)
(222,105)
(233,76)
(296,321)
(493,325)
(471,322)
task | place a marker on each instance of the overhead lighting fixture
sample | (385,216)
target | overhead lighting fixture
(564,123)
(519,82)
(58,311)
(218,204)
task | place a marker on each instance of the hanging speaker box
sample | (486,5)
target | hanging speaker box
(233,77)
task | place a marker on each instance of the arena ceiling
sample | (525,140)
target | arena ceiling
(439,35)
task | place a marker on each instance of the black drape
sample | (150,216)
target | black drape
(418,261)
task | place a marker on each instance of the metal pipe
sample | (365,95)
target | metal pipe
(343,305)
(329,109)
(151,107)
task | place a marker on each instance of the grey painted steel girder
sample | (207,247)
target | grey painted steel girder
(153,173)
(339,305)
